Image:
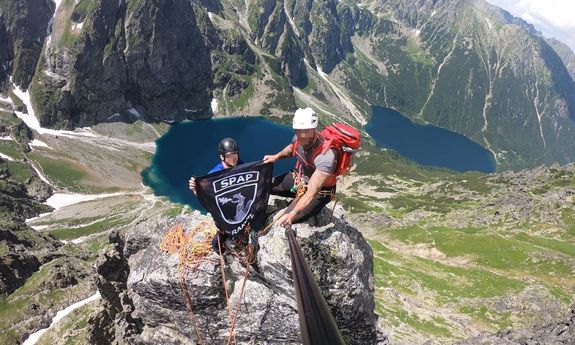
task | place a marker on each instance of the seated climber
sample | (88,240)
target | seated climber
(229,157)
(313,182)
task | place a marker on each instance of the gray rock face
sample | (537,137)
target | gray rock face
(167,61)
(22,249)
(23,26)
(338,254)
(38,189)
(147,54)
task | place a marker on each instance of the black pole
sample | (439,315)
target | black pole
(316,322)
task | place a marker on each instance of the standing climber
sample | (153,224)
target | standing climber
(229,153)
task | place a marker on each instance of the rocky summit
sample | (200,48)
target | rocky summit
(144,303)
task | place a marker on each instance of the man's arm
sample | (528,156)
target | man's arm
(316,181)
(285,153)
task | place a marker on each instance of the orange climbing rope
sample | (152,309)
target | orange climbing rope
(192,248)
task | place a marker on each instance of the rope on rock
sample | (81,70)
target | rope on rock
(225,288)
(192,248)
(247,257)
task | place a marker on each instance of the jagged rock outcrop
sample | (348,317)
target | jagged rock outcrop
(338,254)
(23,252)
(16,204)
(115,324)
(12,126)
(22,249)
(38,189)
(557,333)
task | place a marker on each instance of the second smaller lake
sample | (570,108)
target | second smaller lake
(427,144)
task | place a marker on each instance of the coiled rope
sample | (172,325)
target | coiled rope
(192,248)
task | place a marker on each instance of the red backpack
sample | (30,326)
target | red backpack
(346,140)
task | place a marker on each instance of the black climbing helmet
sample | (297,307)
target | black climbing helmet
(228,145)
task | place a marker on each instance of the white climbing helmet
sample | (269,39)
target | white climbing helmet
(304,119)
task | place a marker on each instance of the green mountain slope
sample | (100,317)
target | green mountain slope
(460,254)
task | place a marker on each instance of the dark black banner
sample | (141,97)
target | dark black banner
(237,196)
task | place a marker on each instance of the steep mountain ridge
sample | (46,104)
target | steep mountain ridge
(566,54)
(463,65)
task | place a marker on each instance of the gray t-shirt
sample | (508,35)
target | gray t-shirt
(323,162)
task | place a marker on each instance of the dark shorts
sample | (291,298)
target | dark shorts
(282,185)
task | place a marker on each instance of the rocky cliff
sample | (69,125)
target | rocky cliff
(144,302)
(106,57)
(22,30)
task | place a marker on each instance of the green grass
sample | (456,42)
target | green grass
(434,327)
(88,249)
(82,9)
(60,171)
(390,163)
(11,148)
(21,172)
(439,204)
(473,181)
(417,54)
(101,226)
(487,316)
(3,248)
(175,211)
(564,247)
(486,249)
(68,221)
(246,94)
(568,217)
(432,284)
(356,204)
(8,119)
(72,329)
(310,86)
(68,39)
(15,100)
(448,283)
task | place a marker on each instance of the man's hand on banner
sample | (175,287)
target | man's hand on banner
(192,184)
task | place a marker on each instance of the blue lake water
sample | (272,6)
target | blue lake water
(427,144)
(191,149)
